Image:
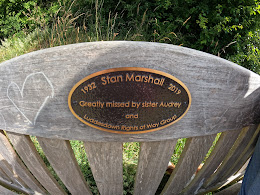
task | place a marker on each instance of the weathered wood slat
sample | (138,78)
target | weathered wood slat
(28,153)
(4,191)
(17,188)
(12,176)
(247,153)
(232,190)
(152,164)
(17,165)
(237,177)
(217,155)
(231,181)
(62,159)
(236,157)
(193,154)
(243,168)
(228,182)
(3,175)
(34,89)
(106,162)
(232,175)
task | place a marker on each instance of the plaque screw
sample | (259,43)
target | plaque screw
(74,102)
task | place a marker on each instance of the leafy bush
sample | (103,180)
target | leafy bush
(21,43)
(248,52)
(222,28)
(15,15)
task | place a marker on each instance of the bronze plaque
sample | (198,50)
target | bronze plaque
(129,100)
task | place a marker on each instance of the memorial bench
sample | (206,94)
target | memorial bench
(91,92)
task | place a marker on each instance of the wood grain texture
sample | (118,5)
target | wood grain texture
(34,89)
(193,154)
(3,175)
(62,159)
(232,190)
(9,175)
(106,162)
(152,164)
(14,187)
(237,177)
(4,191)
(26,150)
(217,155)
(236,158)
(231,180)
(18,168)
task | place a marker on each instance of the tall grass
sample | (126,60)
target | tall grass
(19,44)
(62,29)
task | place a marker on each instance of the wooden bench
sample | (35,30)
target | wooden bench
(34,90)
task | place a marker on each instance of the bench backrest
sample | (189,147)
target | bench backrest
(34,90)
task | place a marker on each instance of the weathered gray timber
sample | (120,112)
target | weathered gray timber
(232,190)
(239,154)
(222,147)
(2,172)
(62,159)
(17,166)
(194,152)
(7,173)
(26,150)
(106,162)
(153,161)
(35,91)
(35,87)
(5,191)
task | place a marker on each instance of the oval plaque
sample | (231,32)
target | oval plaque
(129,100)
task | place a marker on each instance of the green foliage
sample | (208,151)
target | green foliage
(129,172)
(21,43)
(212,147)
(248,51)
(178,150)
(218,27)
(45,160)
(130,161)
(81,157)
(223,28)
(14,16)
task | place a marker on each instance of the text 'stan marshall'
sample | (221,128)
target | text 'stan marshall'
(132,78)
(129,100)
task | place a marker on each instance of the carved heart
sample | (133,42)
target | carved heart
(30,100)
